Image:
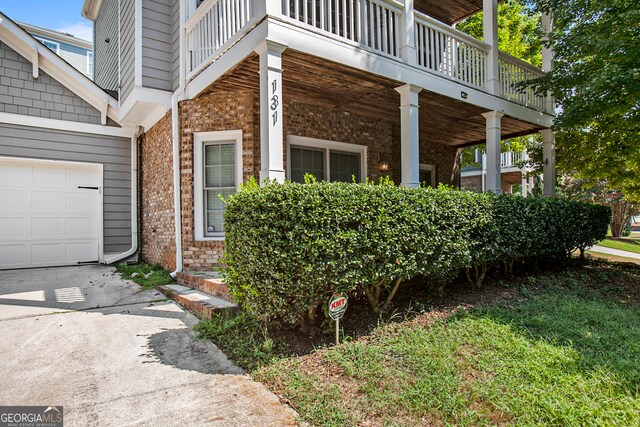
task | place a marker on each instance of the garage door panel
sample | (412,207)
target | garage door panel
(45,219)
(46,253)
(48,176)
(46,227)
(47,200)
(13,255)
(80,227)
(13,199)
(15,174)
(81,252)
(13,227)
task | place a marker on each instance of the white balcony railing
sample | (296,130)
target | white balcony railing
(510,159)
(450,52)
(371,23)
(513,71)
(212,26)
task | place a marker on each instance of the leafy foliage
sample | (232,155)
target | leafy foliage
(288,247)
(518,33)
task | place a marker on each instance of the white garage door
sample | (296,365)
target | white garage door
(50,213)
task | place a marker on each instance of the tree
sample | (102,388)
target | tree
(596,84)
(518,30)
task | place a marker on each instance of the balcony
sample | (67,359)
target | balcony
(376,26)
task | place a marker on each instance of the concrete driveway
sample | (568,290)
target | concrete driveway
(115,355)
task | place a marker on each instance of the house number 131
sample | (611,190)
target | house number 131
(275,102)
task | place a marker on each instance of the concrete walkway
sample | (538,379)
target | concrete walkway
(616,252)
(115,355)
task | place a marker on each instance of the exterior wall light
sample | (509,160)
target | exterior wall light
(384,167)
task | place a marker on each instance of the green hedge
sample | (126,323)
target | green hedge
(288,247)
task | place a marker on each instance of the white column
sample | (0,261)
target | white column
(409,136)
(546,23)
(490,27)
(407,31)
(494,127)
(548,162)
(483,175)
(271,137)
(523,173)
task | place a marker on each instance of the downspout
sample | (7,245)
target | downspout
(137,131)
(177,96)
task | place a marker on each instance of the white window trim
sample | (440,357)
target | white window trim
(429,168)
(43,40)
(327,146)
(199,140)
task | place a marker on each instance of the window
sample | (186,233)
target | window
(326,160)
(89,63)
(217,172)
(427,175)
(54,46)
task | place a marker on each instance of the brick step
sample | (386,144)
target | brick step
(208,282)
(200,303)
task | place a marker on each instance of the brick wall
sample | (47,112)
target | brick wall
(213,112)
(443,157)
(43,97)
(158,243)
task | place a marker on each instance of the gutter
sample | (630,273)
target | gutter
(177,208)
(134,200)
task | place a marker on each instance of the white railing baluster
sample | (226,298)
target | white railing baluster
(514,71)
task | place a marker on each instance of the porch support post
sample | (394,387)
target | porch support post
(494,127)
(409,135)
(271,138)
(407,30)
(549,162)
(490,27)
(546,24)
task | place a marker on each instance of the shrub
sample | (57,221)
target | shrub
(289,246)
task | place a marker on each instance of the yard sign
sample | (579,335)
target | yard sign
(337,306)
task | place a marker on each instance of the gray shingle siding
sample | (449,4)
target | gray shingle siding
(106,54)
(175,45)
(114,153)
(43,97)
(127,48)
(157,44)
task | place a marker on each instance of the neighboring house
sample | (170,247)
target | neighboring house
(66,186)
(227,90)
(513,172)
(77,52)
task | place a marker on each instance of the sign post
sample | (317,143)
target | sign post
(337,306)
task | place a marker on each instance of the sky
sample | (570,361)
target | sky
(59,15)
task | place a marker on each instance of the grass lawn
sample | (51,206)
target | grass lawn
(555,349)
(624,244)
(149,276)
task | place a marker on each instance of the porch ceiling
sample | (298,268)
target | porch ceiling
(449,11)
(319,82)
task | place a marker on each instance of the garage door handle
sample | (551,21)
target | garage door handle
(89,188)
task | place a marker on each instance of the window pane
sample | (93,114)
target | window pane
(219,179)
(344,166)
(305,161)
(214,208)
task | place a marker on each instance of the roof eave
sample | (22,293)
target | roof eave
(91,8)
